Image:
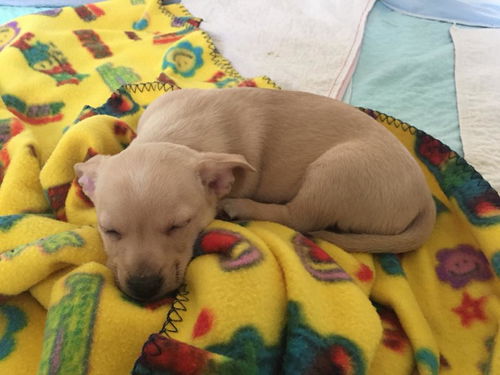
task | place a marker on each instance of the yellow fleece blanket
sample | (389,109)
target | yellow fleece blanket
(259,298)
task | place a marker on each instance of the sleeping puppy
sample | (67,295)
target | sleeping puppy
(306,161)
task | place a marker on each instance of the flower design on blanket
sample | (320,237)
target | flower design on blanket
(7,33)
(460,265)
(248,351)
(183,59)
(317,261)
(235,251)
(311,353)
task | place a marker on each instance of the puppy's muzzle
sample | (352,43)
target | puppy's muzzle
(144,287)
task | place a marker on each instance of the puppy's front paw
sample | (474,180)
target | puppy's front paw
(232,208)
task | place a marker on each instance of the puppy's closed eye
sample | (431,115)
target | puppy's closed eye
(173,228)
(112,233)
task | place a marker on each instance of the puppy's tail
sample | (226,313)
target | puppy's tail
(411,238)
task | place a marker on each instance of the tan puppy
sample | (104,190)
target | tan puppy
(302,160)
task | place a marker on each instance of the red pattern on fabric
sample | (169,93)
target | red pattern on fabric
(471,309)
(218,242)
(166,354)
(364,273)
(203,324)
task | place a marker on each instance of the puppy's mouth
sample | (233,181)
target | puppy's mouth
(159,300)
(144,298)
(165,290)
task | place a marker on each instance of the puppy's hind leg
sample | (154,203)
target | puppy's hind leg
(312,208)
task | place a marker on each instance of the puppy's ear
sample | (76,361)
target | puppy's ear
(86,173)
(216,171)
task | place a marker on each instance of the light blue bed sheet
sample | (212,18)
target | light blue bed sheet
(8,12)
(406,70)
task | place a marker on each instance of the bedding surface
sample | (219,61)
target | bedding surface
(311,47)
(485,13)
(478,92)
(8,13)
(406,69)
(259,297)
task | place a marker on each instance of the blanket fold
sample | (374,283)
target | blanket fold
(259,297)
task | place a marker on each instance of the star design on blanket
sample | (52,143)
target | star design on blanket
(471,309)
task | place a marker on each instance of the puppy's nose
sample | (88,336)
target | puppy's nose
(144,287)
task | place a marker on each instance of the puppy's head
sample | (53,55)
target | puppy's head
(152,200)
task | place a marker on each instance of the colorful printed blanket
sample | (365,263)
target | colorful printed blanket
(259,298)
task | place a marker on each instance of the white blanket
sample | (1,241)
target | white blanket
(477,76)
(302,45)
